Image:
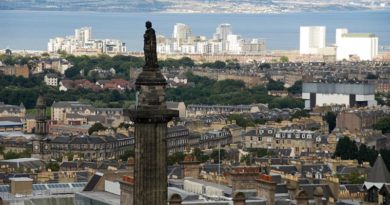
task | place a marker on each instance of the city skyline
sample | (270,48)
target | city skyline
(271,28)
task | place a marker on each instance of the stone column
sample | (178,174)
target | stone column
(150,117)
(175,199)
(191,167)
(127,190)
(150,170)
(318,194)
(239,199)
(302,198)
(244,177)
(266,188)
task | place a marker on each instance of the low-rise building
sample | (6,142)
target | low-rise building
(16,70)
(347,94)
(51,79)
(12,110)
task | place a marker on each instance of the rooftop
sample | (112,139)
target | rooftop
(359,35)
(21,179)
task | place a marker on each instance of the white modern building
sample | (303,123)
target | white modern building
(350,95)
(222,32)
(181,33)
(312,39)
(223,42)
(82,43)
(83,34)
(358,46)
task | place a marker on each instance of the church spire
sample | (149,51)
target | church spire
(379,172)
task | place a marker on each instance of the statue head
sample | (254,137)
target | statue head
(148,24)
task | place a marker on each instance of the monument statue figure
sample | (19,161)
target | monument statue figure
(150,44)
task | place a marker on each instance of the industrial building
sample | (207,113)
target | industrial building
(312,39)
(355,46)
(348,94)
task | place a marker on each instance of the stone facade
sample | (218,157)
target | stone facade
(266,188)
(244,178)
(90,147)
(150,118)
(17,70)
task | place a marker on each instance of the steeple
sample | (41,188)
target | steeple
(379,172)
(40,128)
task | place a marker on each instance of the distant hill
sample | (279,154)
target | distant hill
(85,5)
(194,6)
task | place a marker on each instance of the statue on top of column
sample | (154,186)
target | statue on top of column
(150,44)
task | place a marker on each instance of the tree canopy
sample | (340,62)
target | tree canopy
(383,125)
(96,127)
(330,118)
(346,149)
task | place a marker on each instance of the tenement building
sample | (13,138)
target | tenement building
(356,120)
(90,147)
(77,113)
(12,110)
(298,140)
(177,139)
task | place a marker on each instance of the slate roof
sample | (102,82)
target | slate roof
(309,189)
(353,188)
(379,172)
(290,169)
(68,165)
(250,133)
(322,168)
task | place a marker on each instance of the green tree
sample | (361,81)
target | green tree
(199,155)
(275,85)
(241,120)
(383,125)
(72,72)
(216,155)
(248,159)
(232,64)
(371,76)
(258,152)
(355,178)
(265,66)
(299,114)
(70,156)
(346,149)
(284,59)
(175,158)
(2,149)
(296,88)
(96,127)
(53,166)
(366,154)
(128,153)
(8,52)
(330,118)
(15,155)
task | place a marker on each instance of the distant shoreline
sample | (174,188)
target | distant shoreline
(196,13)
